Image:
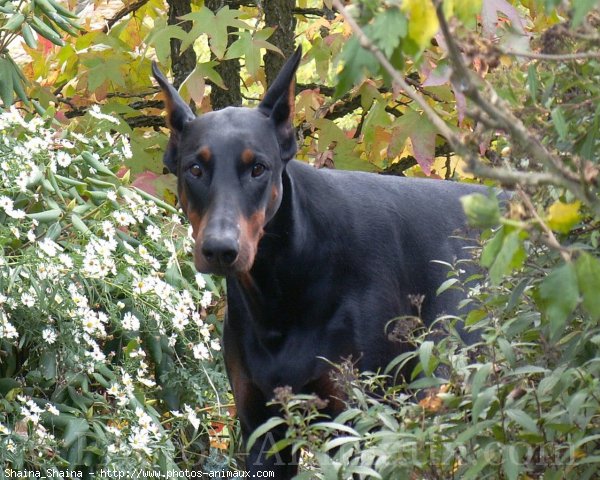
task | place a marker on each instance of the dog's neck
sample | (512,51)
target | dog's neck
(283,272)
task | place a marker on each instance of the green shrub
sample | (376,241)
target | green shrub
(515,405)
(108,350)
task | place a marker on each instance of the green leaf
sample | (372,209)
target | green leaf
(492,247)
(558,296)
(580,10)
(558,119)
(215,26)
(48,365)
(482,211)
(14,23)
(423,23)
(532,82)
(588,277)
(511,256)
(480,378)
(446,285)
(511,462)
(467,10)
(364,471)
(422,134)
(523,419)
(76,428)
(507,350)
(338,441)
(357,62)
(481,402)
(269,425)
(160,38)
(389,28)
(337,426)
(6,82)
(425,351)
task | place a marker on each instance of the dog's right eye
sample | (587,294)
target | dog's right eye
(196,170)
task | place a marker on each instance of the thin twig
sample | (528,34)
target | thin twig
(558,57)
(126,10)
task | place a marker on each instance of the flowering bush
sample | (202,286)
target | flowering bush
(107,343)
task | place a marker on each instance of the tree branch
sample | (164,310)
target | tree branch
(553,57)
(497,109)
(126,10)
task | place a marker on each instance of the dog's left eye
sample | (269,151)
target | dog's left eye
(258,169)
(196,170)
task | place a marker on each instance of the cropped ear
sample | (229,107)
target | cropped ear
(178,114)
(278,104)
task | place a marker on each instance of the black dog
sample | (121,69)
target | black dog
(317,261)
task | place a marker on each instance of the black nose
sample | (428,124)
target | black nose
(222,251)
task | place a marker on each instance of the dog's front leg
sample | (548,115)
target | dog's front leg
(283,464)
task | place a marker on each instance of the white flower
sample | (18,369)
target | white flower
(17,214)
(109,139)
(66,261)
(124,219)
(180,320)
(49,247)
(28,299)
(113,390)
(191,416)
(52,409)
(49,335)
(206,299)
(139,441)
(6,203)
(7,329)
(63,158)
(130,322)
(127,153)
(215,344)
(146,381)
(200,352)
(96,113)
(153,232)
(114,430)
(200,280)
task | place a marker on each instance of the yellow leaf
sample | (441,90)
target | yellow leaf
(423,23)
(562,217)
(467,10)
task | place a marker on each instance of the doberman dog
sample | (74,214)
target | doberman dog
(316,261)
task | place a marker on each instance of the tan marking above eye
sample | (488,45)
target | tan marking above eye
(204,154)
(247,156)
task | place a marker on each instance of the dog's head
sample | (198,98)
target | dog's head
(229,165)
